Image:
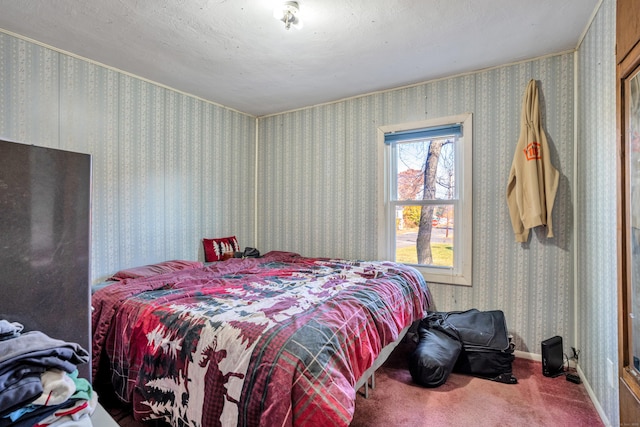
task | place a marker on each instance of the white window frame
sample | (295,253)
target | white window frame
(461,272)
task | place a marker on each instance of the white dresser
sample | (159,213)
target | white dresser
(101,418)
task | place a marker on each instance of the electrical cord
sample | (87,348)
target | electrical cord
(571,374)
(576,354)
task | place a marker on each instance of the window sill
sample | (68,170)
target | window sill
(447,278)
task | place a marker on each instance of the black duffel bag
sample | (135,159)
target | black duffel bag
(437,351)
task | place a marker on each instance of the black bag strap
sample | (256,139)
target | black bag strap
(438,321)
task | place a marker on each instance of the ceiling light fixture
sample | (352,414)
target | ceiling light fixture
(288,13)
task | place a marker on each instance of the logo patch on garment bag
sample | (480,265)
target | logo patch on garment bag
(532,152)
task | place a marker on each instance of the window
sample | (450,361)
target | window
(427,197)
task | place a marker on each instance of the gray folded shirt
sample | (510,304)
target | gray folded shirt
(9,330)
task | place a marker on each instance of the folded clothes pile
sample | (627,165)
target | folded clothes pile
(39,384)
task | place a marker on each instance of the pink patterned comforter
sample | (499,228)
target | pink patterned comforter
(274,341)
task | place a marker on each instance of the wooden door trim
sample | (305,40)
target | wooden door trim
(629,65)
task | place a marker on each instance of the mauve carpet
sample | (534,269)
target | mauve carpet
(463,400)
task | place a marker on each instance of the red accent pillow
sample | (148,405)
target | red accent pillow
(153,269)
(214,249)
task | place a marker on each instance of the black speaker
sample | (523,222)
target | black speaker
(552,357)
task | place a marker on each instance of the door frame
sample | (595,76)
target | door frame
(629,380)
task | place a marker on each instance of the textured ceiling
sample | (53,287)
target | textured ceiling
(234,53)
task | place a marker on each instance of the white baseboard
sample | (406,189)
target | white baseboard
(527,355)
(537,357)
(593,398)
(587,386)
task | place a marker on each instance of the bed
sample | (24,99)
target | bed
(279,340)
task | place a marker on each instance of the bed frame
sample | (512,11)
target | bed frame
(368,378)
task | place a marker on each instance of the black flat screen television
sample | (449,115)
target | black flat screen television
(45,241)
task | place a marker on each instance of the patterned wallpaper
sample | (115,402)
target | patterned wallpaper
(168,169)
(596,184)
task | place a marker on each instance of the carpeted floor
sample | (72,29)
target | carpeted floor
(535,400)
(462,401)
